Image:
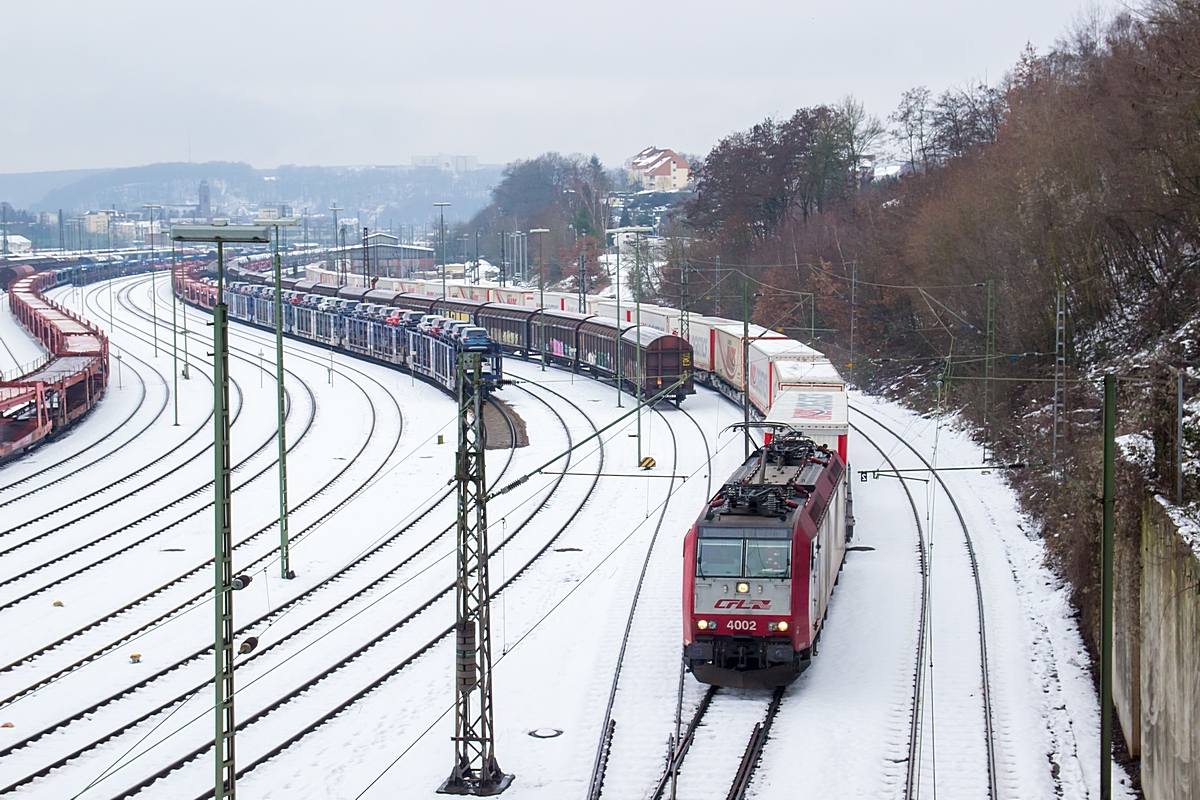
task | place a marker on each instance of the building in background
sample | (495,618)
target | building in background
(95,223)
(205,202)
(447,162)
(16,243)
(660,170)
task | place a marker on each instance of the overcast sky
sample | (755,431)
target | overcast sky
(123,83)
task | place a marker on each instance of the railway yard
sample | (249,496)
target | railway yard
(949,662)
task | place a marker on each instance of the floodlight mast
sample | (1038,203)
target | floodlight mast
(223,739)
(441,207)
(541,294)
(285,563)
(636,230)
(153,268)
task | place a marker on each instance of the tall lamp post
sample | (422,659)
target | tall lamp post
(285,564)
(636,230)
(477,231)
(174,336)
(441,207)
(541,293)
(153,269)
(334,207)
(224,583)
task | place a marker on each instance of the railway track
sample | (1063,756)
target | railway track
(27,478)
(196,491)
(758,736)
(323,616)
(985,684)
(378,641)
(126,476)
(608,727)
(179,609)
(178,580)
(912,767)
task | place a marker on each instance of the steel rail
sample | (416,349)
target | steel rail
(989,732)
(675,761)
(754,748)
(911,776)
(307,729)
(607,729)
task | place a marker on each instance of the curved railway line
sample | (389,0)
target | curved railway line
(72,456)
(608,727)
(145,516)
(352,657)
(160,589)
(111,434)
(912,766)
(741,780)
(545,546)
(989,735)
(131,717)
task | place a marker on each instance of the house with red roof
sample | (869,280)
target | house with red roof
(660,170)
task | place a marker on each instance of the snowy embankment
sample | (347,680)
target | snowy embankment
(373,551)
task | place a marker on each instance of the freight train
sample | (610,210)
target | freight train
(654,362)
(760,563)
(429,351)
(43,403)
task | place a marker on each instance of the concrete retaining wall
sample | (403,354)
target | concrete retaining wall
(1166,670)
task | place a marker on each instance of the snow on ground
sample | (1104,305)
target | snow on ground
(18,349)
(556,630)
(1045,711)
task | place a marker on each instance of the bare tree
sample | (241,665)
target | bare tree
(912,120)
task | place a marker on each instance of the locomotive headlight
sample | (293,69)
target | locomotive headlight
(743,588)
(783,626)
(702,624)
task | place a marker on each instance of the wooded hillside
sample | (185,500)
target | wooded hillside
(1079,174)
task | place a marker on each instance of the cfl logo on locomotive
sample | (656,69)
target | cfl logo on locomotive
(744,605)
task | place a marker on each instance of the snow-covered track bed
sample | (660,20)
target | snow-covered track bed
(63,545)
(912,762)
(94,485)
(964,720)
(110,625)
(35,639)
(307,623)
(412,622)
(645,623)
(707,758)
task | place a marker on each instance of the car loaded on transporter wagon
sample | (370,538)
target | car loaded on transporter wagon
(761,562)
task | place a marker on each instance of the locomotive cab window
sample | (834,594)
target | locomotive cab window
(720,558)
(744,553)
(768,559)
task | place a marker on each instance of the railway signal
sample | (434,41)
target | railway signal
(476,771)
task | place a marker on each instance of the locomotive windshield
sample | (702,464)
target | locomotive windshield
(724,553)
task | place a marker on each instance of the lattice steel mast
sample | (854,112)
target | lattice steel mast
(989,367)
(226,769)
(1060,381)
(476,771)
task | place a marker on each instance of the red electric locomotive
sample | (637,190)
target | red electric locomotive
(761,562)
